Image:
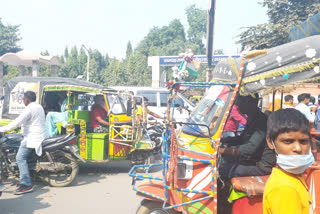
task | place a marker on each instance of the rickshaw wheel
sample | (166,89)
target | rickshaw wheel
(153,207)
(65,177)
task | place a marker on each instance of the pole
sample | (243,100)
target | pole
(88,62)
(210,37)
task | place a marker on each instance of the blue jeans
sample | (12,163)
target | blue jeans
(22,156)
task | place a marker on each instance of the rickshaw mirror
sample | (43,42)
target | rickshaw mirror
(129,107)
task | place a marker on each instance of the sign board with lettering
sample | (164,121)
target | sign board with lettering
(16,104)
(202,59)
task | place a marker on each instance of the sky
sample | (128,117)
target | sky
(108,25)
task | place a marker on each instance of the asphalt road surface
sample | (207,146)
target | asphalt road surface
(98,189)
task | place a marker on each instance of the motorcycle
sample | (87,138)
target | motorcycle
(57,165)
(155,134)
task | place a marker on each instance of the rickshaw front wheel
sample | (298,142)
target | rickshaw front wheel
(153,207)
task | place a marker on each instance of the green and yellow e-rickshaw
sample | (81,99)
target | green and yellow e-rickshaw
(124,140)
(190,161)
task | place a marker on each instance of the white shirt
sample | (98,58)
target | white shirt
(304,109)
(33,125)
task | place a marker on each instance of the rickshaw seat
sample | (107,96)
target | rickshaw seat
(252,186)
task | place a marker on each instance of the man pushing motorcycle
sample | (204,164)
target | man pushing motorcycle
(32,123)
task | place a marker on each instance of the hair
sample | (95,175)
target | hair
(250,98)
(303,96)
(97,97)
(286,120)
(312,100)
(145,99)
(30,95)
(288,98)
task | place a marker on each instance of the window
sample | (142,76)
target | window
(208,114)
(116,103)
(164,98)
(150,95)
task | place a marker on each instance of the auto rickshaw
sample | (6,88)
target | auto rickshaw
(190,161)
(124,140)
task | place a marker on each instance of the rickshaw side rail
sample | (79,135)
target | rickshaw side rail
(186,203)
(192,159)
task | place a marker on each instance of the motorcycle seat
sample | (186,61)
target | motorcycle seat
(51,140)
(252,186)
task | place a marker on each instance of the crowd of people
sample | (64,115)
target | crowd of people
(276,143)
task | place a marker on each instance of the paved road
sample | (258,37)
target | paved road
(98,189)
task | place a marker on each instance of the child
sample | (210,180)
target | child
(286,192)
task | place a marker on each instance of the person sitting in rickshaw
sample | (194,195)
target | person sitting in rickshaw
(54,117)
(98,115)
(249,154)
(142,113)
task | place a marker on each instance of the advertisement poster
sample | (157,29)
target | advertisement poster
(16,104)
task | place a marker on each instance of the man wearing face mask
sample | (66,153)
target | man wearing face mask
(286,192)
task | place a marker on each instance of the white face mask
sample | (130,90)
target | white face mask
(295,164)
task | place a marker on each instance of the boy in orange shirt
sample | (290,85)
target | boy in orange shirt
(286,192)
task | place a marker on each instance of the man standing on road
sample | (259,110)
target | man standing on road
(304,100)
(33,123)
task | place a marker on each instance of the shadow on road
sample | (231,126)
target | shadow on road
(94,172)
(28,203)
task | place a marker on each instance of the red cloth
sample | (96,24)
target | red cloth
(96,112)
(234,119)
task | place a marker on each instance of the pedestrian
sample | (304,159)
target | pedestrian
(288,102)
(33,125)
(286,192)
(304,100)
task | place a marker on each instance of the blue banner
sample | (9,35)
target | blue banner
(310,27)
(202,59)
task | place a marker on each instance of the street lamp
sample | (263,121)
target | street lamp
(88,61)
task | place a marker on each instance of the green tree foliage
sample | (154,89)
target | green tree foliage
(283,15)
(133,70)
(197,20)
(167,40)
(129,50)
(9,37)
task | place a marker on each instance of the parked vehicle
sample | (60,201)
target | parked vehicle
(123,141)
(158,98)
(188,182)
(57,166)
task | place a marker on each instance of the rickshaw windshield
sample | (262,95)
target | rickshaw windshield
(117,102)
(205,119)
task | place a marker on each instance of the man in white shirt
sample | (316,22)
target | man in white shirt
(32,121)
(304,100)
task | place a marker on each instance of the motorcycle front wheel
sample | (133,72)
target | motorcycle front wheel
(63,177)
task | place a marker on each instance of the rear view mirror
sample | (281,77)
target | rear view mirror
(129,107)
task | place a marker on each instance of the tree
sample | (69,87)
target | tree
(283,15)
(9,37)
(197,20)
(129,50)
(168,40)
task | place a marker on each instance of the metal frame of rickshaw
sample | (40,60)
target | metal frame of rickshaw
(166,156)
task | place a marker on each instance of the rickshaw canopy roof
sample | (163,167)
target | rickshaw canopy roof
(48,84)
(294,62)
